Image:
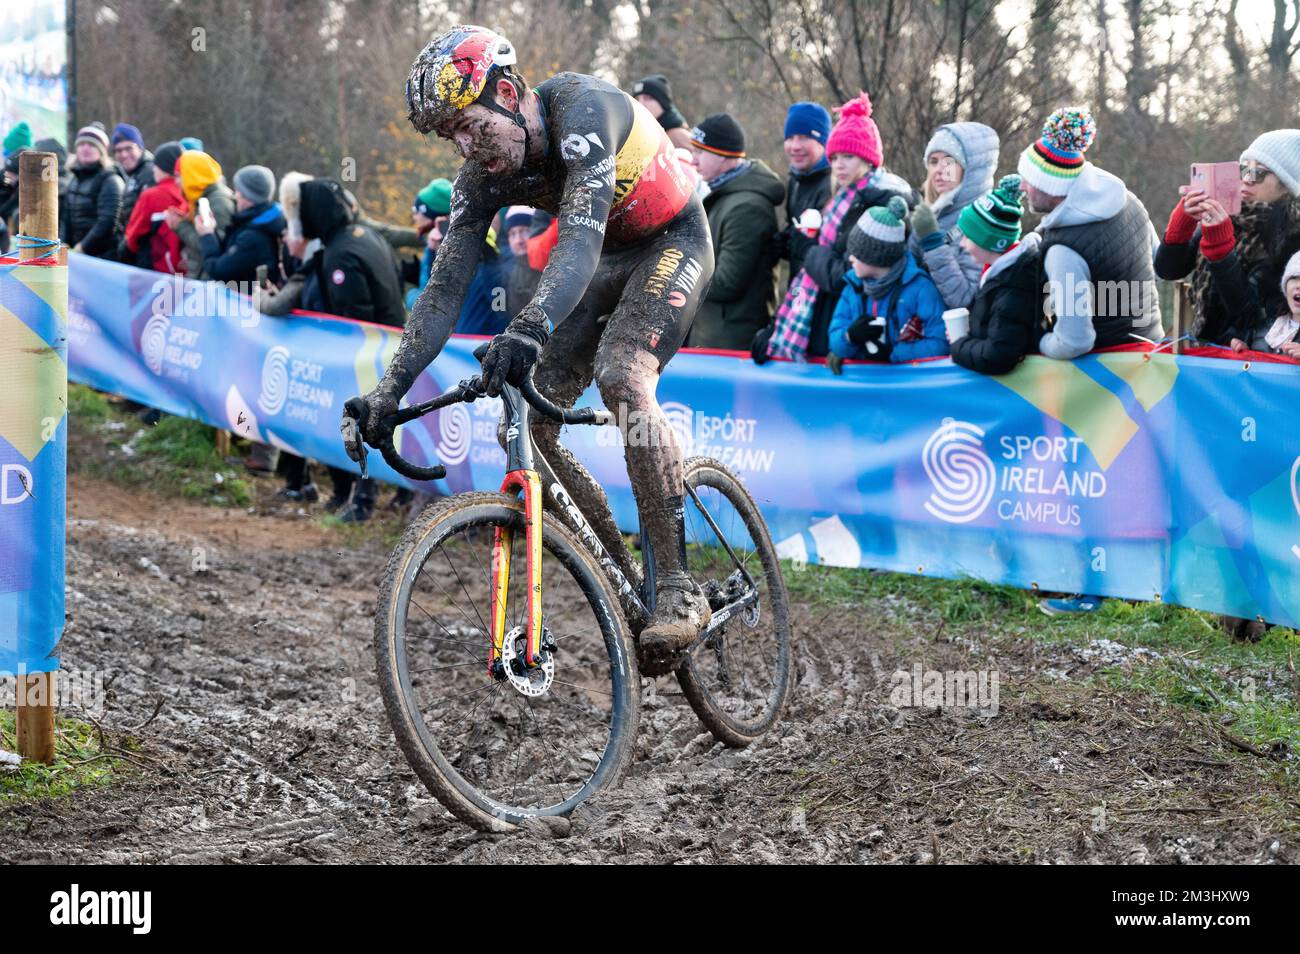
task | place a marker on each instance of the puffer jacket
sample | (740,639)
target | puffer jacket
(252,239)
(1006,317)
(913,297)
(94,200)
(955,273)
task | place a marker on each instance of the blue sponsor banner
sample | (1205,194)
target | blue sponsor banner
(33,463)
(1125,474)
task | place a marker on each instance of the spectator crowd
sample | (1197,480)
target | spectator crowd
(878,270)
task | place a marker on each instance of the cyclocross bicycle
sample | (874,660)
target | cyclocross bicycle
(517,694)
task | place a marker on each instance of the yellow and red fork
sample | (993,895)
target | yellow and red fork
(531,485)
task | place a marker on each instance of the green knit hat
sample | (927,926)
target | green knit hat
(880,236)
(993,220)
(434,199)
(20,137)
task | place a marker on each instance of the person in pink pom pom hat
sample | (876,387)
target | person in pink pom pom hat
(859,182)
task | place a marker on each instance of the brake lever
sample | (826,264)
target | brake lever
(352,437)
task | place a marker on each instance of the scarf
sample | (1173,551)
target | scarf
(717,183)
(794,317)
(879,288)
(1260,229)
(1283,330)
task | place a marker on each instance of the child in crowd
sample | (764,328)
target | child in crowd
(889,309)
(1283,336)
(1006,315)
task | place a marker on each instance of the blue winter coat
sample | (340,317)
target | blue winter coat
(914,296)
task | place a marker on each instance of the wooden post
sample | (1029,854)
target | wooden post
(38,217)
(1182,314)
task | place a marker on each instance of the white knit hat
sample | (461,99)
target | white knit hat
(1291,271)
(1278,150)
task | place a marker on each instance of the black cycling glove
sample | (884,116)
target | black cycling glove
(512,353)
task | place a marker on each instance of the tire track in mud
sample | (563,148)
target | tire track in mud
(272,744)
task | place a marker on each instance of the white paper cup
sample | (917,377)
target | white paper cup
(810,222)
(957,323)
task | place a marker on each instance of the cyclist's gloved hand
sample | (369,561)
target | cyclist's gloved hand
(369,413)
(835,363)
(513,352)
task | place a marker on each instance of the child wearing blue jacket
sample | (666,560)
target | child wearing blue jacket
(889,310)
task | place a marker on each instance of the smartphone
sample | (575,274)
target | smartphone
(1220,181)
(205,207)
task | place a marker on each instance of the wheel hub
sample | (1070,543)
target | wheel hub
(532,682)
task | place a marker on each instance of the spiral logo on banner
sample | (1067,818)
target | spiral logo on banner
(682,420)
(454,432)
(153,342)
(960,470)
(275,380)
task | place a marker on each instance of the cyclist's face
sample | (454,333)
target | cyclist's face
(485,136)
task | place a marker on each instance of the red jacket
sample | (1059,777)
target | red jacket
(148,225)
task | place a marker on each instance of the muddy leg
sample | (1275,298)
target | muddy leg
(562,374)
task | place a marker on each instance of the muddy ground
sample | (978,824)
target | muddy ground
(250,686)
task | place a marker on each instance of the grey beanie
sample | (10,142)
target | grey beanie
(1278,150)
(880,236)
(945,140)
(257,183)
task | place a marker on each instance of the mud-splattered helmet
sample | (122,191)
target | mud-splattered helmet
(452,72)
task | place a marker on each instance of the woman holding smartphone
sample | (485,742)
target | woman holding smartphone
(1236,262)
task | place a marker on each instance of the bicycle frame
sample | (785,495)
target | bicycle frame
(530,474)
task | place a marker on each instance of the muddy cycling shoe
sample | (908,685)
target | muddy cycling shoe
(681,612)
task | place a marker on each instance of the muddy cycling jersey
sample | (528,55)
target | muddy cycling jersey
(609,174)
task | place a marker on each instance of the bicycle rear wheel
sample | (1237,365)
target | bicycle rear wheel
(738,679)
(493,752)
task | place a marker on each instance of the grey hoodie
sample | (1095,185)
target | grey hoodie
(954,272)
(1095,196)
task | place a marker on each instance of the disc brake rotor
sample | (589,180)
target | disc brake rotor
(530,682)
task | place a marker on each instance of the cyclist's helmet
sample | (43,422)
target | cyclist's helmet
(452,72)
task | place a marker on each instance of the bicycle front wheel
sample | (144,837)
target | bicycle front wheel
(737,680)
(493,750)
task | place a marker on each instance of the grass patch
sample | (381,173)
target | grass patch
(79,762)
(1249,688)
(175,456)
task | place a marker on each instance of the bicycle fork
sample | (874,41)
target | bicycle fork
(530,484)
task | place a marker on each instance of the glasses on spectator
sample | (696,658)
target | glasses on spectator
(123,148)
(1253,173)
(946,163)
